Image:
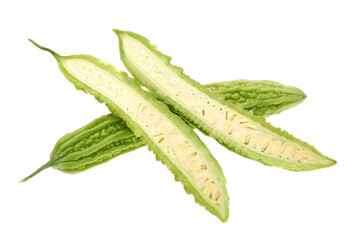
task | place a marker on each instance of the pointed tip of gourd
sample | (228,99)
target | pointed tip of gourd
(301,94)
(332,162)
(44,48)
(327,162)
(225,218)
(222,213)
(304,95)
(117,31)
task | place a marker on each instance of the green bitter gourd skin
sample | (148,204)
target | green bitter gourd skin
(95,143)
(174,143)
(84,148)
(262,98)
(232,126)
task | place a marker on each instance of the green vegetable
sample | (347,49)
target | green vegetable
(95,143)
(72,155)
(232,126)
(174,143)
(262,98)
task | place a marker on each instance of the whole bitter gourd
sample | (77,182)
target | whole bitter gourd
(71,155)
(174,143)
(262,98)
(95,143)
(232,126)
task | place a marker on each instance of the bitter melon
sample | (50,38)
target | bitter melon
(174,143)
(262,98)
(95,143)
(232,126)
(108,136)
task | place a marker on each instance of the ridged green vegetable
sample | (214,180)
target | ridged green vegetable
(71,155)
(174,143)
(262,98)
(232,126)
(95,143)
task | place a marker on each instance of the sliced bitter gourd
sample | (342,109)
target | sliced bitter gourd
(72,155)
(173,142)
(230,125)
(108,136)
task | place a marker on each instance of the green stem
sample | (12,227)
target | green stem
(45,49)
(45,166)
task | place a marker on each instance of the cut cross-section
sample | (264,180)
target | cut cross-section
(171,139)
(232,126)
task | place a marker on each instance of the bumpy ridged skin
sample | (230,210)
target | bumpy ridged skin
(248,135)
(72,155)
(262,98)
(95,143)
(145,116)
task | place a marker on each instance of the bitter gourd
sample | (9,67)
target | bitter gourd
(71,155)
(232,126)
(262,98)
(95,143)
(174,143)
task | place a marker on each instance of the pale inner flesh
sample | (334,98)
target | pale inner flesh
(158,127)
(224,119)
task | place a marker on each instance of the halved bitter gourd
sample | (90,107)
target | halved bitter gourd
(173,142)
(230,125)
(108,136)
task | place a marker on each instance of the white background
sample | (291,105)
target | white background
(313,45)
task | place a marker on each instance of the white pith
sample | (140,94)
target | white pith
(164,133)
(224,119)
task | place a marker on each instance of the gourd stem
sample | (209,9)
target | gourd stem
(45,49)
(45,166)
